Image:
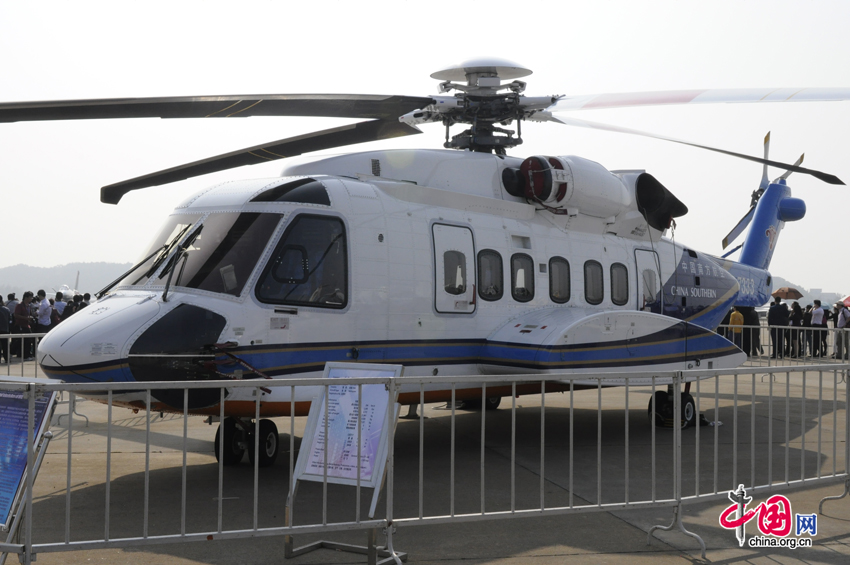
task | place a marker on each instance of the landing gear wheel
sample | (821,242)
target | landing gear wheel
(269,443)
(233,441)
(689,411)
(491,403)
(663,417)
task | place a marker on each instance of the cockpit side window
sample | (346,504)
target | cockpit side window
(309,267)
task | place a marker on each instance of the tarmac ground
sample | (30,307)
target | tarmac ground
(600,471)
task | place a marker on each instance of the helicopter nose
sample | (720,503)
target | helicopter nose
(176,348)
(129,338)
(184,332)
(91,344)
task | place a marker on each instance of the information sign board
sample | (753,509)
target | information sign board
(342,403)
(14,411)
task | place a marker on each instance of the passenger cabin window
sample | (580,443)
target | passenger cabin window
(309,267)
(454,269)
(559,280)
(619,284)
(490,283)
(522,277)
(593,284)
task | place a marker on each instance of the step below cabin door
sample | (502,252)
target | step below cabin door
(454,269)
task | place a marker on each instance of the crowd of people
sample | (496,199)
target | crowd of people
(807,333)
(33,313)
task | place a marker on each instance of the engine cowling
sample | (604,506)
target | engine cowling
(570,184)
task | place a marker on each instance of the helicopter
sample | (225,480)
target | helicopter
(463,260)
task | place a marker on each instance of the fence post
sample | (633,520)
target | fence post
(391,420)
(677,467)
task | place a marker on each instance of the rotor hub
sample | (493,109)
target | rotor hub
(483,102)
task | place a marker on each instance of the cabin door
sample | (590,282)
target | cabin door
(454,269)
(648,281)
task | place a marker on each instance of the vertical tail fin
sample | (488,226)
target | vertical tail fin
(774,208)
(771,206)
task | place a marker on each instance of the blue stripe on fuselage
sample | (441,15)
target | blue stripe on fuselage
(668,346)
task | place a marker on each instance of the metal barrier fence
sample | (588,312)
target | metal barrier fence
(785,430)
(18,352)
(790,345)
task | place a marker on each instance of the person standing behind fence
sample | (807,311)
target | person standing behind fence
(752,329)
(777,316)
(842,337)
(818,325)
(70,309)
(5,329)
(796,324)
(59,304)
(44,312)
(12,304)
(736,322)
(807,333)
(22,326)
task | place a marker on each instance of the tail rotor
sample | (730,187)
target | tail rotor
(744,222)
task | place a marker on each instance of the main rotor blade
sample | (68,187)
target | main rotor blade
(825,177)
(326,105)
(327,139)
(705,96)
(787,174)
(739,227)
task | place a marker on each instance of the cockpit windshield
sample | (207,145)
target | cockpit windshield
(217,255)
(160,248)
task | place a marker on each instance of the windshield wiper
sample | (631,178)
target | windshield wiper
(181,253)
(108,287)
(176,256)
(164,255)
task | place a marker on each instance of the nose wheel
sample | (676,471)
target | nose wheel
(663,416)
(269,442)
(238,438)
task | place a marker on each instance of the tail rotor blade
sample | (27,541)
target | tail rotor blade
(739,228)
(764,180)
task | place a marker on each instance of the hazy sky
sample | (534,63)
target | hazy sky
(51,172)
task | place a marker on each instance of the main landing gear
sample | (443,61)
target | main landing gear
(663,417)
(490,403)
(239,434)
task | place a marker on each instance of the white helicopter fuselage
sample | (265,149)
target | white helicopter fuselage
(412,257)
